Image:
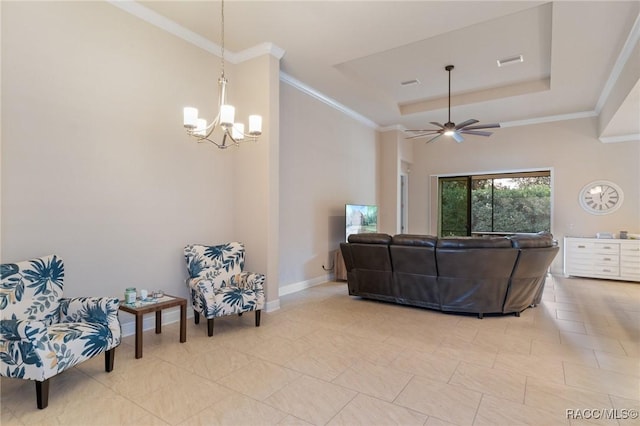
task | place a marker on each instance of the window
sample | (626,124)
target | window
(495,204)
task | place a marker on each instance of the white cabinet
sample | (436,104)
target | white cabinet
(602,258)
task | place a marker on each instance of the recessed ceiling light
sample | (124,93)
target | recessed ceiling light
(510,61)
(410,82)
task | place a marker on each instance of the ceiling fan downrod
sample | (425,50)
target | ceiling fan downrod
(449,68)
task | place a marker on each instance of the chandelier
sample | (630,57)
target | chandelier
(232,133)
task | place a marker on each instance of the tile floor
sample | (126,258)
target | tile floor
(328,358)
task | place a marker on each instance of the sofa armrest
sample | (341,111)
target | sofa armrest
(248,281)
(101,310)
(25,350)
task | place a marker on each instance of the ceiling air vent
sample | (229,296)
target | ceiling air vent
(510,61)
(410,82)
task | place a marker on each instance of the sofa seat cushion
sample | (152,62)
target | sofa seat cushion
(216,302)
(76,342)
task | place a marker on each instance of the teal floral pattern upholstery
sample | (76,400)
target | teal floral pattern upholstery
(218,284)
(43,333)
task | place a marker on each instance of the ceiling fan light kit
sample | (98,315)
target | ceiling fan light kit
(450,128)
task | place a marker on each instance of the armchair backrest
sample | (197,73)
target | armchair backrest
(32,289)
(228,259)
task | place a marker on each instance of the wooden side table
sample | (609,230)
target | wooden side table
(145,308)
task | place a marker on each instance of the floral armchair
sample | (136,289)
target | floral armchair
(42,333)
(218,284)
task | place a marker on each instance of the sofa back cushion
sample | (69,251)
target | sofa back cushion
(414,240)
(473,242)
(370,238)
(414,254)
(32,289)
(541,239)
(226,259)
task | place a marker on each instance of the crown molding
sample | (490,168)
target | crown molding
(139,11)
(549,119)
(136,9)
(623,57)
(257,51)
(286,78)
(396,127)
(622,138)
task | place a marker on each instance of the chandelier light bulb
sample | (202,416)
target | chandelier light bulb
(190,117)
(201,127)
(237,131)
(227,113)
(255,125)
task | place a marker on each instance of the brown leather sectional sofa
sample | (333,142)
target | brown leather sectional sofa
(468,275)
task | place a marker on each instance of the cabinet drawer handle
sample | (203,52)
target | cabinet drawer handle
(582,246)
(606,270)
(607,248)
(607,258)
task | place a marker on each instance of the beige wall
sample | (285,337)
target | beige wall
(255,170)
(96,166)
(326,161)
(570,148)
(396,155)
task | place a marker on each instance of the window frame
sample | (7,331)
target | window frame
(436,212)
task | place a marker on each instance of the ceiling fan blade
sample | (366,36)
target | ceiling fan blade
(466,123)
(422,130)
(437,124)
(422,135)
(433,139)
(457,136)
(484,126)
(475,132)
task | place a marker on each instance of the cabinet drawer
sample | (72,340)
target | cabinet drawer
(605,248)
(629,259)
(630,252)
(606,259)
(613,271)
(630,271)
(578,246)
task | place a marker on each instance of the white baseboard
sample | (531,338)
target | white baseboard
(274,305)
(171,316)
(303,285)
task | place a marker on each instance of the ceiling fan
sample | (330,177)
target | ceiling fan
(451,129)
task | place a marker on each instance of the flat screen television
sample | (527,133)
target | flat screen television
(360,219)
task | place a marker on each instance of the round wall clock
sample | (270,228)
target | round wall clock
(601,197)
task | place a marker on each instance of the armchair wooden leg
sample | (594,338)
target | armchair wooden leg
(196,317)
(258,318)
(42,394)
(109,356)
(210,326)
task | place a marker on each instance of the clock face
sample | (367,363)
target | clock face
(601,197)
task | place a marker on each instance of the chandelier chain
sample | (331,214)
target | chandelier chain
(222,37)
